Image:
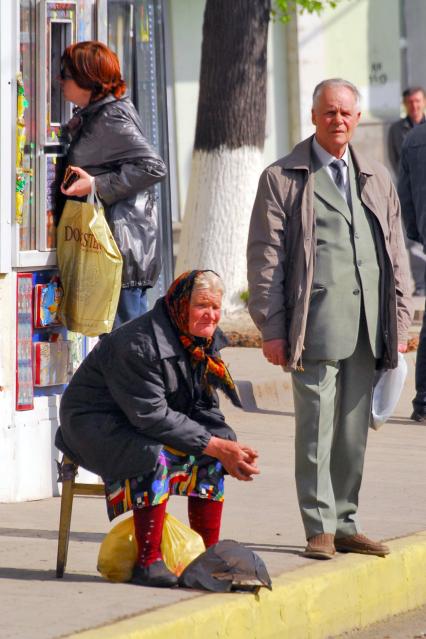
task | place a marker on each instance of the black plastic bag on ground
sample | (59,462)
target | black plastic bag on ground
(227,566)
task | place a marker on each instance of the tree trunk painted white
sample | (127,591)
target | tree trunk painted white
(229,139)
(220,197)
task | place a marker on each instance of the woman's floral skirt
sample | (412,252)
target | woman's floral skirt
(176,473)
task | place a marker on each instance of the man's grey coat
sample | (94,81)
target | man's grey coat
(282,246)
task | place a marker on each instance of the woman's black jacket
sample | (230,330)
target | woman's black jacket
(133,393)
(107,141)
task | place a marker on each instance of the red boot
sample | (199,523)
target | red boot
(205,516)
(150,569)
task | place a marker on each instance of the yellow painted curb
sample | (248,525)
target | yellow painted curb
(313,602)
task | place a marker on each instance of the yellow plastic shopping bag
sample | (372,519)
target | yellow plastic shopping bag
(179,545)
(118,552)
(90,266)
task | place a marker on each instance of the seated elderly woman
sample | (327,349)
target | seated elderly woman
(142,412)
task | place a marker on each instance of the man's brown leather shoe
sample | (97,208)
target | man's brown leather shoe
(360,543)
(320,547)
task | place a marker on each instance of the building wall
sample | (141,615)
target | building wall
(414,17)
(277,137)
(186,20)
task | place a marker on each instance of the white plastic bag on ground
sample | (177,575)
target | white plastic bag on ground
(387,391)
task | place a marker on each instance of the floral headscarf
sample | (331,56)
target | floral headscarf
(213,370)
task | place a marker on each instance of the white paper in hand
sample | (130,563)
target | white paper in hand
(386,393)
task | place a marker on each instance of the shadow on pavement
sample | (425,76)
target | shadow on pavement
(36,533)
(245,389)
(278,548)
(29,574)
(265,411)
(405,421)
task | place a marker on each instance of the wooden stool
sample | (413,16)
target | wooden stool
(67,471)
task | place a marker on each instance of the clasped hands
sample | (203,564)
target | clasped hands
(239,460)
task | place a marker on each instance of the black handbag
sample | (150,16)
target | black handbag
(136,227)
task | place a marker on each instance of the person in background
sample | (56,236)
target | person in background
(413,99)
(329,291)
(142,412)
(414,103)
(109,152)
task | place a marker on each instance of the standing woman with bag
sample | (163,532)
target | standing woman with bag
(109,153)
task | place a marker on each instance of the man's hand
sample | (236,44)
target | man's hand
(238,460)
(83,186)
(275,351)
(402,348)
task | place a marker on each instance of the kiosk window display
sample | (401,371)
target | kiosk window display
(46,28)
(27,223)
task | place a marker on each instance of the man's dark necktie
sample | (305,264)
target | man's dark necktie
(337,171)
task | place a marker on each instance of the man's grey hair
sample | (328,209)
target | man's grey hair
(335,82)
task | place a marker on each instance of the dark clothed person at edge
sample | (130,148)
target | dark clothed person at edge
(142,411)
(414,104)
(412,194)
(110,153)
(329,291)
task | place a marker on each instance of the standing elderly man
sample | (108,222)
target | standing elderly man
(329,291)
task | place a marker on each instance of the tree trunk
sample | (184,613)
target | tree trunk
(230,133)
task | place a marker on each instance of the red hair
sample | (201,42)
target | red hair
(94,67)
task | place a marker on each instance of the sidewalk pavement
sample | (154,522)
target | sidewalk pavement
(310,599)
